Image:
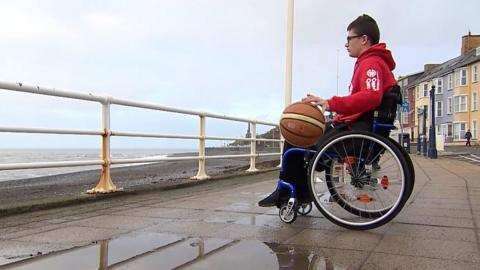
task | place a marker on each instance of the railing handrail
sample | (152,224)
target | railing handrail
(143,105)
(51,131)
(20,87)
(105,184)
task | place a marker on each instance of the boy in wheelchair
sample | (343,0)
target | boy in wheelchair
(373,88)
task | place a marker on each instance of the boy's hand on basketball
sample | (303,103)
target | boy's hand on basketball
(316,101)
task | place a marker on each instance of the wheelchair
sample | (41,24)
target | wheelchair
(344,182)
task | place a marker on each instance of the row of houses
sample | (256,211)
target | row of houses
(457,87)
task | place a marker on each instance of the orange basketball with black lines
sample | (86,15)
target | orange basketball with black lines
(302,124)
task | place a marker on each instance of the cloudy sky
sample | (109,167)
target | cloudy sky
(219,56)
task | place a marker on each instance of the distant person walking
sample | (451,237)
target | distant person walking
(468,136)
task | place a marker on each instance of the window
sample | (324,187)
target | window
(474,101)
(450,81)
(425,90)
(422,90)
(475,73)
(443,130)
(461,77)
(438,130)
(460,103)
(474,129)
(447,130)
(438,109)
(464,77)
(439,86)
(449,106)
(459,131)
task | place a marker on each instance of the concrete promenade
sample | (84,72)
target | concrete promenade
(217,225)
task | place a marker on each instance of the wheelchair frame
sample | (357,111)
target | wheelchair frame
(288,212)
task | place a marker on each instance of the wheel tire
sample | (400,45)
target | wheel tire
(282,214)
(301,209)
(380,217)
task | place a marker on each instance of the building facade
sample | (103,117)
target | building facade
(406,114)
(457,89)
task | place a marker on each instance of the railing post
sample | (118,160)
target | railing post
(103,263)
(201,174)
(201,247)
(105,184)
(253,147)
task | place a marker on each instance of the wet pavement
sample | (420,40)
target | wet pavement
(217,225)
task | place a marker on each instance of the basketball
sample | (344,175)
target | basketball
(302,124)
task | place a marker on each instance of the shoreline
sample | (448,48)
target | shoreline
(210,151)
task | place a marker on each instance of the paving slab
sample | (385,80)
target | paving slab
(216,225)
(432,232)
(431,248)
(73,235)
(12,251)
(388,261)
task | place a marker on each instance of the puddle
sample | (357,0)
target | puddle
(90,257)
(237,207)
(170,251)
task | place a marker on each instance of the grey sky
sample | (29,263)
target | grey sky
(220,56)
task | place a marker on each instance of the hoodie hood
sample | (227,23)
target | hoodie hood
(380,51)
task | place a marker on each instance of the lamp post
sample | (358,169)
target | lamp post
(424,142)
(289,60)
(419,141)
(432,148)
(288,63)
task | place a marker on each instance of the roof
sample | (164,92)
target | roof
(449,66)
(414,81)
(410,75)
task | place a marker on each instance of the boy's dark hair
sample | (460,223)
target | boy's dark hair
(366,25)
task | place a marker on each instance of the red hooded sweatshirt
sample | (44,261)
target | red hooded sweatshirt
(372,76)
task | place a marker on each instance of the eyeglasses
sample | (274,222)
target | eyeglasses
(352,37)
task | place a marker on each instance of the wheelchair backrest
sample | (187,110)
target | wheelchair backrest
(387,111)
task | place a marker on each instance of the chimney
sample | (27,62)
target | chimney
(470,42)
(428,67)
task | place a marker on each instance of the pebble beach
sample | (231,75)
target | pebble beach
(147,176)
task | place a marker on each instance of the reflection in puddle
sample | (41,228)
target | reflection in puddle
(170,251)
(299,258)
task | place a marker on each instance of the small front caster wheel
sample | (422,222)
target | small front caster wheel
(286,215)
(305,208)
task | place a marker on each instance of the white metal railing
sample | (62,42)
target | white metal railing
(105,184)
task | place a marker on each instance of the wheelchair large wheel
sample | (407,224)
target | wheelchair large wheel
(347,189)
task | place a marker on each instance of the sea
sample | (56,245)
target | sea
(51,155)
